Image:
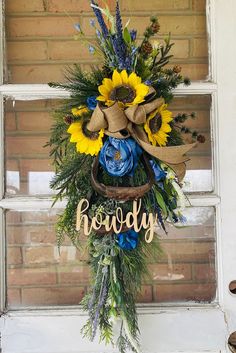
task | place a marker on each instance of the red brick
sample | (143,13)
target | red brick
(69,50)
(40,216)
(40,255)
(12,165)
(155,5)
(199,5)
(200,48)
(26,145)
(199,162)
(26,51)
(179,272)
(184,292)
(13,217)
(14,256)
(68,254)
(145,296)
(181,49)
(74,275)
(10,121)
(34,235)
(41,26)
(53,296)
(195,231)
(24,6)
(177,25)
(195,71)
(69,6)
(36,73)
(188,251)
(35,165)
(205,272)
(13,297)
(31,276)
(34,121)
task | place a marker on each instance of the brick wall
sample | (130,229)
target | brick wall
(40,35)
(37,275)
(39,45)
(27,130)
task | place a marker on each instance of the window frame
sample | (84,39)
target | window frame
(220,312)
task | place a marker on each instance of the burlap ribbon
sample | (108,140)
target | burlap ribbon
(121,123)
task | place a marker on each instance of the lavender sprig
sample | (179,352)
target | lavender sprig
(101,302)
(118,40)
(100,18)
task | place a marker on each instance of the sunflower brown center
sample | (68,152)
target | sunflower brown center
(91,135)
(123,93)
(155,123)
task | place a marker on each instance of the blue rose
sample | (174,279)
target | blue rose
(119,157)
(92,102)
(128,240)
(160,174)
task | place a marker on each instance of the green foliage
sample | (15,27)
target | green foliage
(80,84)
(120,272)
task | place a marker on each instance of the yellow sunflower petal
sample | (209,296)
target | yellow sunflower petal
(74,127)
(142,89)
(107,82)
(165,127)
(160,140)
(134,80)
(166,116)
(124,77)
(137,100)
(116,78)
(149,133)
(104,91)
(101,99)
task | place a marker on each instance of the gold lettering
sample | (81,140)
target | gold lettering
(116,222)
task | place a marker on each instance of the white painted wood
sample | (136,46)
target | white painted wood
(168,330)
(34,203)
(3,264)
(43,91)
(226,74)
(197,328)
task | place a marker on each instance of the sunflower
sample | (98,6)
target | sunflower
(79,111)
(125,89)
(157,125)
(86,141)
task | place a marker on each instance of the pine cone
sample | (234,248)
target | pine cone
(147,48)
(68,119)
(201,138)
(177,69)
(155,27)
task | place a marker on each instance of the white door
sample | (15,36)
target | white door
(197,321)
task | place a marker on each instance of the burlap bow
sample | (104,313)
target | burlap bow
(121,123)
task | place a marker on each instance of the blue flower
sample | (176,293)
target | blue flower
(119,157)
(92,102)
(91,49)
(133,34)
(78,27)
(98,33)
(92,22)
(148,82)
(128,240)
(160,174)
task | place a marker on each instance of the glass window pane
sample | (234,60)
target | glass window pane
(40,35)
(28,166)
(199,168)
(39,276)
